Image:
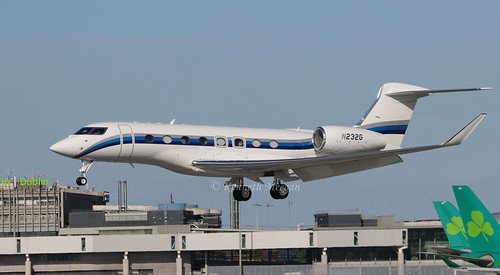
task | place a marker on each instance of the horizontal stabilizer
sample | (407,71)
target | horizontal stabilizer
(426,92)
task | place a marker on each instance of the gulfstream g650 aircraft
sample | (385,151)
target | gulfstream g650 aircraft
(239,153)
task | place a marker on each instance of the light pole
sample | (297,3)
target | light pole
(257,214)
(268,206)
(240,244)
(289,213)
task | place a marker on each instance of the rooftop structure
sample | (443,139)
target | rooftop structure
(29,209)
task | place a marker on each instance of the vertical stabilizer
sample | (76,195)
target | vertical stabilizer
(391,113)
(452,224)
(482,228)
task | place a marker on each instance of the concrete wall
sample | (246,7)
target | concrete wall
(202,241)
(159,263)
(366,237)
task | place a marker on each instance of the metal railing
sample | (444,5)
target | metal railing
(369,268)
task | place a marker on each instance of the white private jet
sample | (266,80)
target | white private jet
(239,153)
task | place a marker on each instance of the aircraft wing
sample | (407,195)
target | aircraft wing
(312,168)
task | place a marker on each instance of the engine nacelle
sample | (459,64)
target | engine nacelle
(338,139)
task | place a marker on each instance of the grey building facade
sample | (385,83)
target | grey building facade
(37,210)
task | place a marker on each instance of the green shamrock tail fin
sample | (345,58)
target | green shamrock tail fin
(481,227)
(452,224)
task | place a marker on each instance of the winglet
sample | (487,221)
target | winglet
(463,134)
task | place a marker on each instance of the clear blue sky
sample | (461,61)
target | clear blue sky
(278,64)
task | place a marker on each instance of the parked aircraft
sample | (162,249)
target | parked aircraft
(454,229)
(480,228)
(253,153)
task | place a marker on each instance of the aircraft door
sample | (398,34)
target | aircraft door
(127,141)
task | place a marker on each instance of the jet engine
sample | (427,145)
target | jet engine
(338,139)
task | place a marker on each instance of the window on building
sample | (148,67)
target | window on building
(172,242)
(126,232)
(243,240)
(183,242)
(356,238)
(83,244)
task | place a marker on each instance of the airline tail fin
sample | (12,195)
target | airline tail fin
(483,230)
(392,111)
(452,224)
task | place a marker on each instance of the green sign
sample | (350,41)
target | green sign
(25,182)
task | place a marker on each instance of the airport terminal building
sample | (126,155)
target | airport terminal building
(54,229)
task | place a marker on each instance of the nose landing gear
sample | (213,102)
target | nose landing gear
(82,180)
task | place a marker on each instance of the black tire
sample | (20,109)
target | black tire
(81,181)
(274,192)
(282,191)
(245,193)
(279,191)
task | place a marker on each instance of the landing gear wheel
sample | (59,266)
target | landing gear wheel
(81,181)
(243,193)
(274,193)
(279,191)
(246,193)
(283,191)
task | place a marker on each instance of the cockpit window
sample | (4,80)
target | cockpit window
(92,131)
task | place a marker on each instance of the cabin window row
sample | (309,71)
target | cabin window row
(220,141)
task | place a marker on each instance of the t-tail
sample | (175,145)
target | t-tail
(453,226)
(483,230)
(392,111)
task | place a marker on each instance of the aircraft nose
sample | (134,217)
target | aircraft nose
(64,148)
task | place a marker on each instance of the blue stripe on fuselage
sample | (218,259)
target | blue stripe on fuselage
(140,139)
(102,145)
(390,129)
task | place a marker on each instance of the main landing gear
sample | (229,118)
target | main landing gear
(82,180)
(278,190)
(240,191)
